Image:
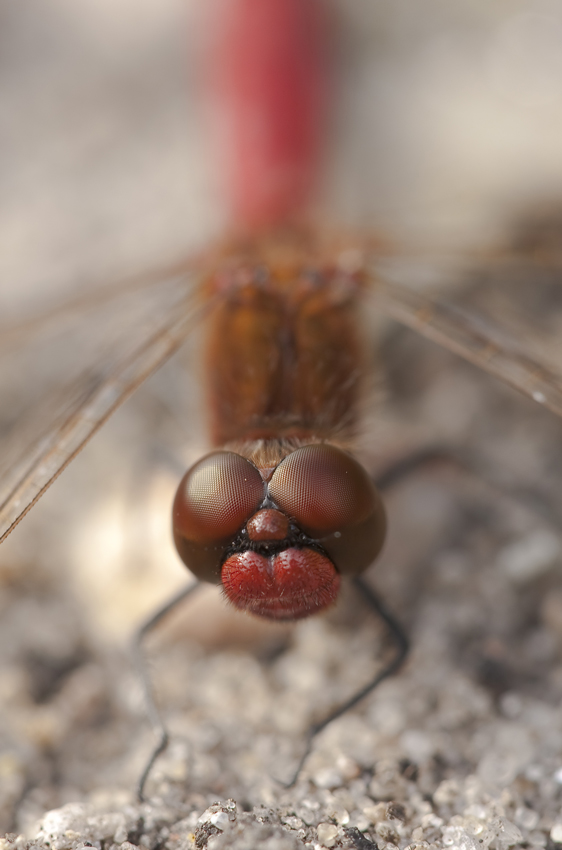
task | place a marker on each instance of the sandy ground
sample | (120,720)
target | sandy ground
(463,748)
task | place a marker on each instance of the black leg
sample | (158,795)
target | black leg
(141,666)
(402,647)
(534,500)
(413,462)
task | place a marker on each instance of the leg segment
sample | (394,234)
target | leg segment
(534,500)
(401,651)
(154,715)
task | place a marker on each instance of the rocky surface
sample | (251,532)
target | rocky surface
(462,749)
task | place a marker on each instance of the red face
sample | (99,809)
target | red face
(279,540)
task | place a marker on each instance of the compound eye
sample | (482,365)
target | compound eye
(323,488)
(333,500)
(213,502)
(216,497)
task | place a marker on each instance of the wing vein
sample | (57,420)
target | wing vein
(54,453)
(487,346)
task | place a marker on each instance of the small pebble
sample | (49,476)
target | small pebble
(327,834)
(556,833)
(220,820)
(328,778)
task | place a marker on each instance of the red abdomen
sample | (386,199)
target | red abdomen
(269,67)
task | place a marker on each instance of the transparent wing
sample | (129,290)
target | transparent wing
(499,337)
(64,373)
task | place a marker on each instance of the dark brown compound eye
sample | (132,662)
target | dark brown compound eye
(333,500)
(213,502)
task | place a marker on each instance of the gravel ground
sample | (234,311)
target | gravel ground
(464,747)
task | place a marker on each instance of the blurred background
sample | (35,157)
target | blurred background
(448,123)
(447,135)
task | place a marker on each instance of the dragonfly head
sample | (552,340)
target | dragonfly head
(279,541)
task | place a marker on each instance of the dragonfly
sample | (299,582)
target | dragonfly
(241,516)
(146,318)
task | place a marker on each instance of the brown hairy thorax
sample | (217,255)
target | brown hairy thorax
(268,454)
(285,357)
